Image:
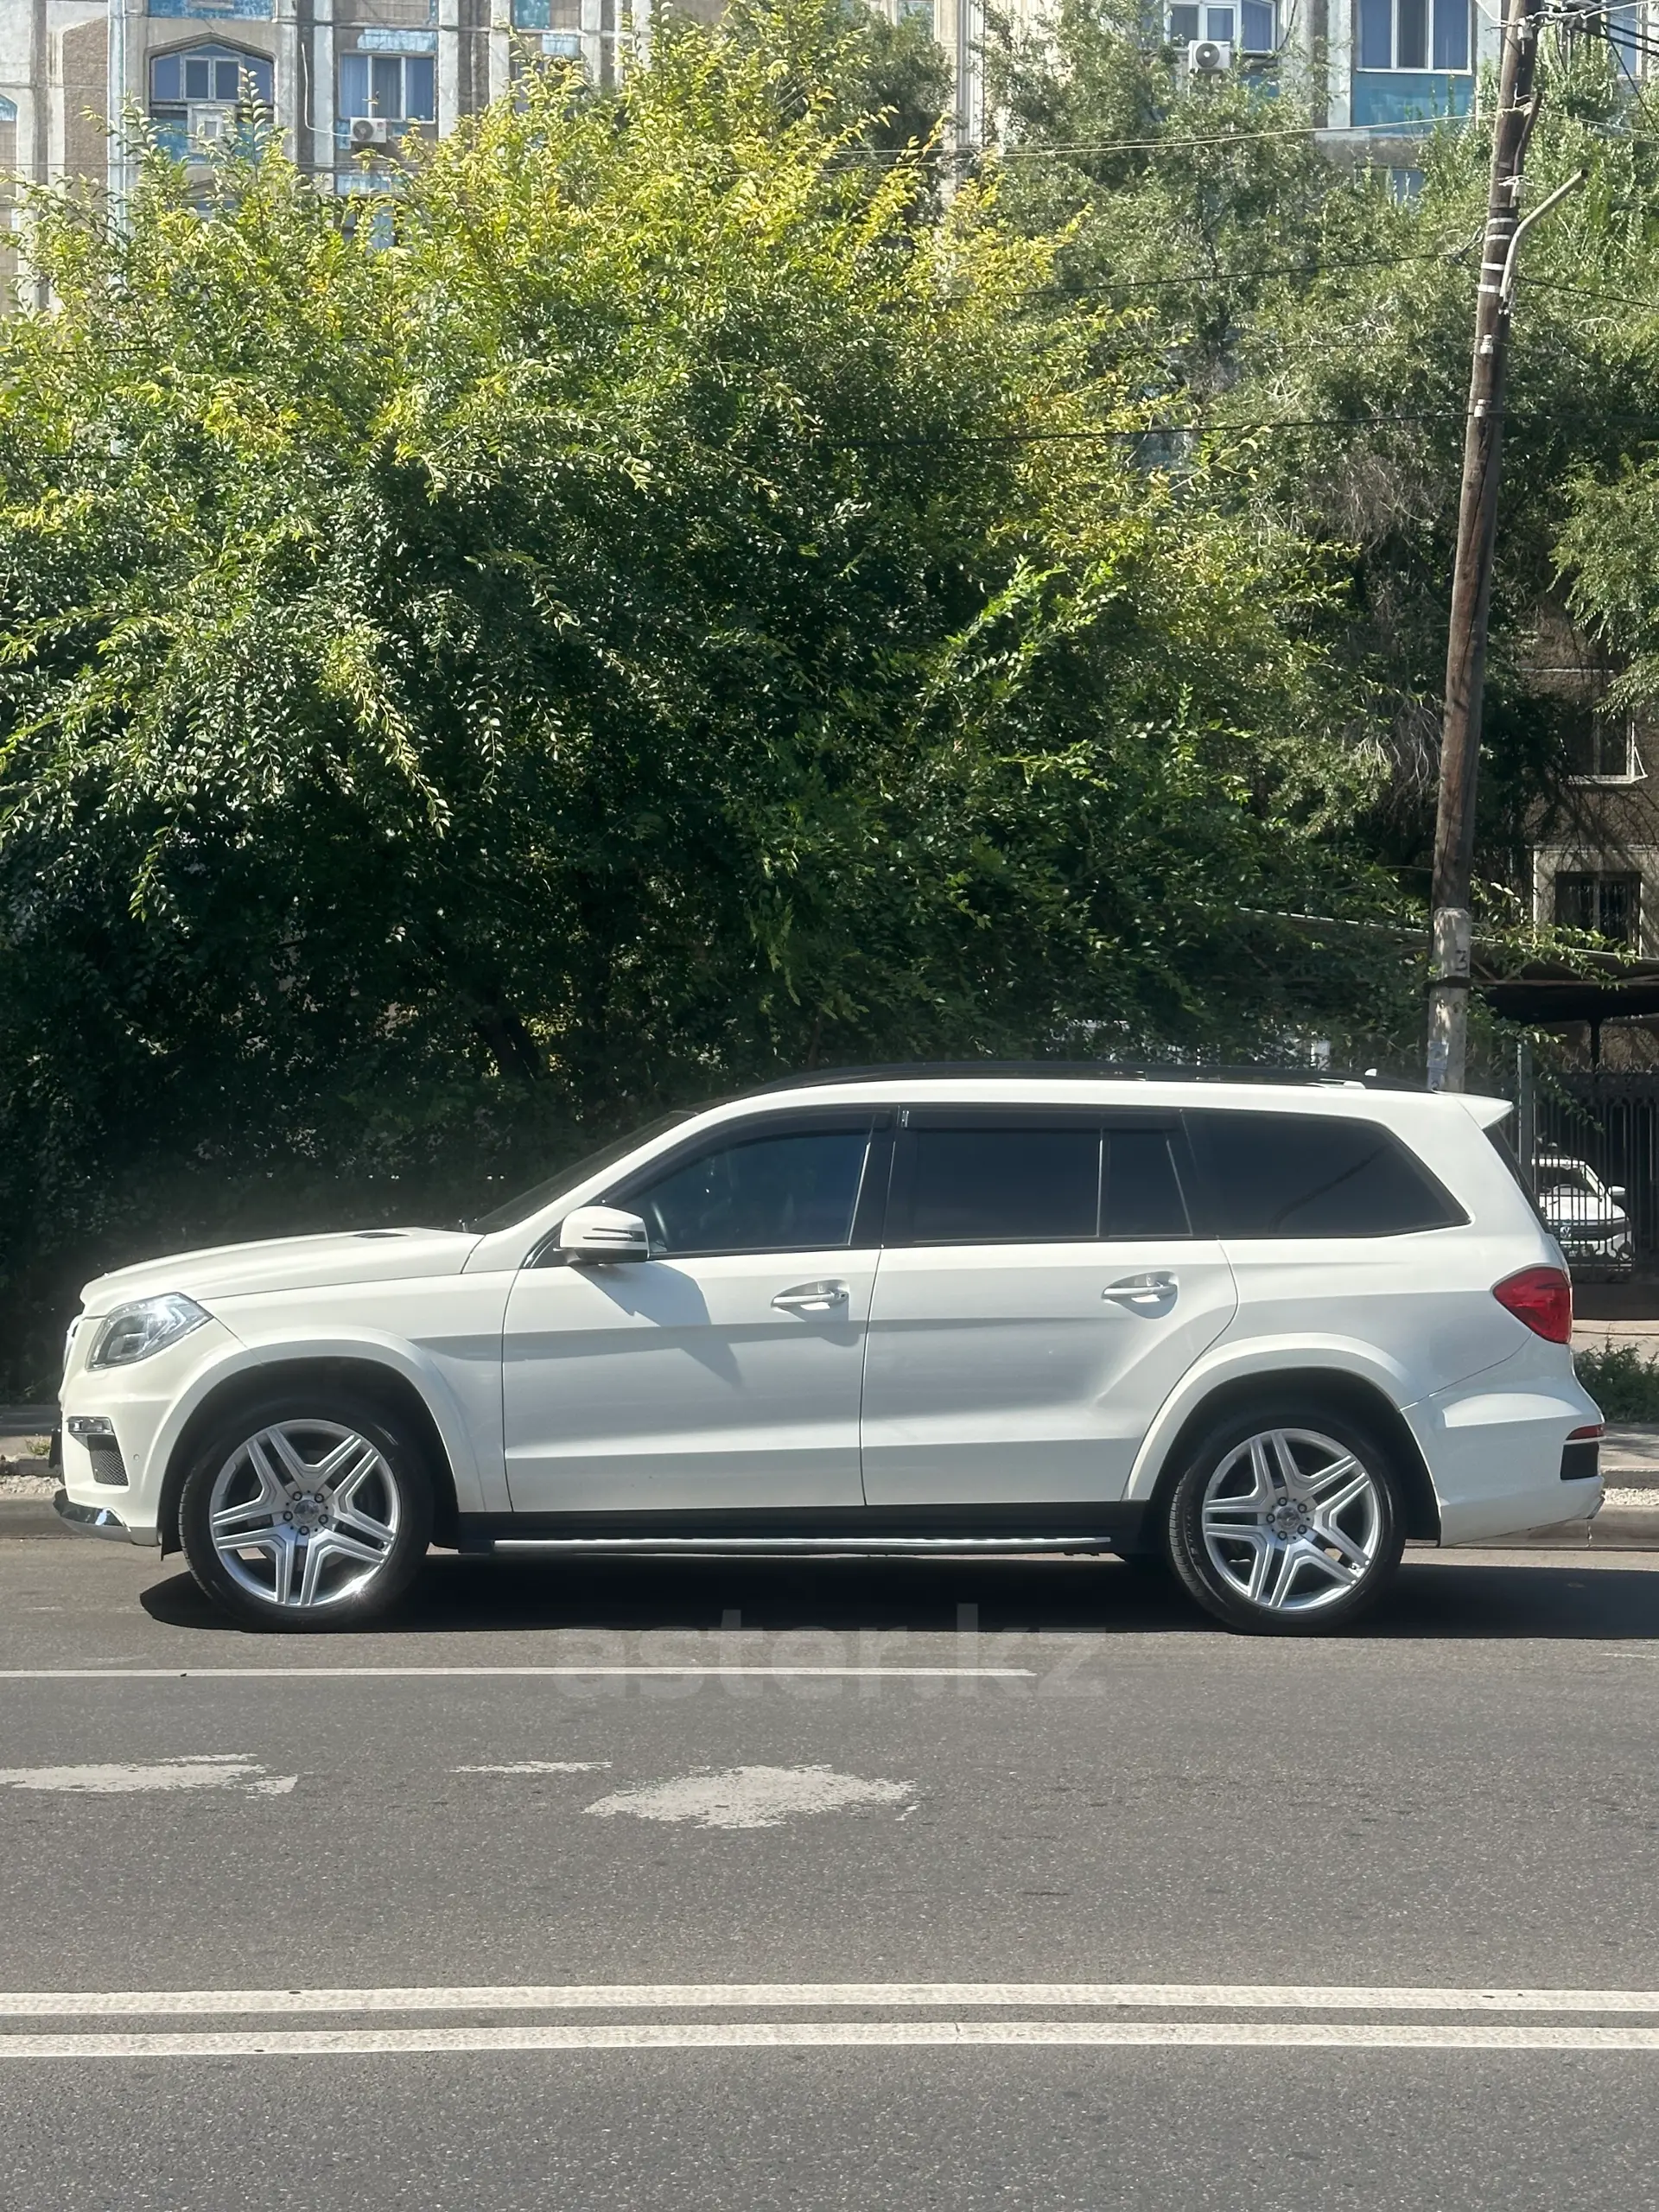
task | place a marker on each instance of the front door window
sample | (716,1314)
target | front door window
(791,1193)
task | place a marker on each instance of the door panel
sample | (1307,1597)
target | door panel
(661,1384)
(1041,1295)
(723,1372)
(1003,1374)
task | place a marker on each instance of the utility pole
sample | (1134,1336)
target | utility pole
(1472,577)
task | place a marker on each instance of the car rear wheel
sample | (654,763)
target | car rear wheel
(1287,1520)
(312,1511)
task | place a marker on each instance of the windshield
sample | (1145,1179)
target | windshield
(572,1177)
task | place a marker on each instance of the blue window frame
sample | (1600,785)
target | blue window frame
(402,87)
(221,75)
(1414,34)
(1250,25)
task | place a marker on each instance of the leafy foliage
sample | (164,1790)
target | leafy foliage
(1316,318)
(651,603)
(1623,1383)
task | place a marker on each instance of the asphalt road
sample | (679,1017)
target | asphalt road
(903,1778)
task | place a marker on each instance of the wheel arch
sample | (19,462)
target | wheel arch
(1338,1387)
(384,1386)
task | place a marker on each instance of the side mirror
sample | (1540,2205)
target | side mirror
(1616,1190)
(599,1235)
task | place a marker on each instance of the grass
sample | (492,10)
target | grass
(1624,1384)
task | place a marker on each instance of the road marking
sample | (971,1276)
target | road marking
(671,1996)
(424,1674)
(750,1796)
(541,1766)
(796,2034)
(214,1771)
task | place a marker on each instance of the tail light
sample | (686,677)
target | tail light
(1542,1298)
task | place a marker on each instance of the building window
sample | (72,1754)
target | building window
(1610,905)
(1414,35)
(1621,27)
(201,95)
(1602,750)
(399,88)
(218,76)
(1250,25)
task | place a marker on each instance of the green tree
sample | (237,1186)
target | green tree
(639,607)
(1316,318)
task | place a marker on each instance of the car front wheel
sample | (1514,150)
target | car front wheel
(1286,1520)
(313,1511)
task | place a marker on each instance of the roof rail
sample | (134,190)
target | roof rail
(1082,1071)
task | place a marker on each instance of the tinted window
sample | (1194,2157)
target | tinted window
(990,1185)
(788,1193)
(1305,1175)
(1143,1195)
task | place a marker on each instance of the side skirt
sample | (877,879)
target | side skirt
(784,1531)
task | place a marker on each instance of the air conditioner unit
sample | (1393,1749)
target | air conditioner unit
(370,131)
(1209,57)
(210,125)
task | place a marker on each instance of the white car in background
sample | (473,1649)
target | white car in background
(1583,1214)
(1264,1333)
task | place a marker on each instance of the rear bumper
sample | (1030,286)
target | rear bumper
(96,1521)
(1498,1458)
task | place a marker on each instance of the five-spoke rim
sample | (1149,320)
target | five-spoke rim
(304,1514)
(1292,1520)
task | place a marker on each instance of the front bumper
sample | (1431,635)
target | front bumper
(96,1521)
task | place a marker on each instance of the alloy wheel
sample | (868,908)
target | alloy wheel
(1291,1520)
(304,1514)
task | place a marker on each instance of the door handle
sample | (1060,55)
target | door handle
(811,1298)
(1144,1293)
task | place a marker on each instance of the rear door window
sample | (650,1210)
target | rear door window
(1142,1195)
(1312,1175)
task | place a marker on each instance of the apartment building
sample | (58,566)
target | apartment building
(347,76)
(1595,863)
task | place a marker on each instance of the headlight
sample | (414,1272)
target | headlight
(134,1331)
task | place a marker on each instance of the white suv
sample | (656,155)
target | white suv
(1265,1333)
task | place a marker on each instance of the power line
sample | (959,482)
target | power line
(1450,255)
(992,438)
(1166,429)
(1062,150)
(1593,291)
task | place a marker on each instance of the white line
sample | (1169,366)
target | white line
(400,1674)
(646,1996)
(729,2034)
(541,1766)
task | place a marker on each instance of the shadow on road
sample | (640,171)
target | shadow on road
(1446,1598)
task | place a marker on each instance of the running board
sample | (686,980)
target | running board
(792,1546)
(791,1531)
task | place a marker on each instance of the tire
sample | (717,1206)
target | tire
(1288,1519)
(308,1511)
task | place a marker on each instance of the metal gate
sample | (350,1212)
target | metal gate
(1611,1121)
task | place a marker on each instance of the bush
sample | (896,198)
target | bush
(1623,1383)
